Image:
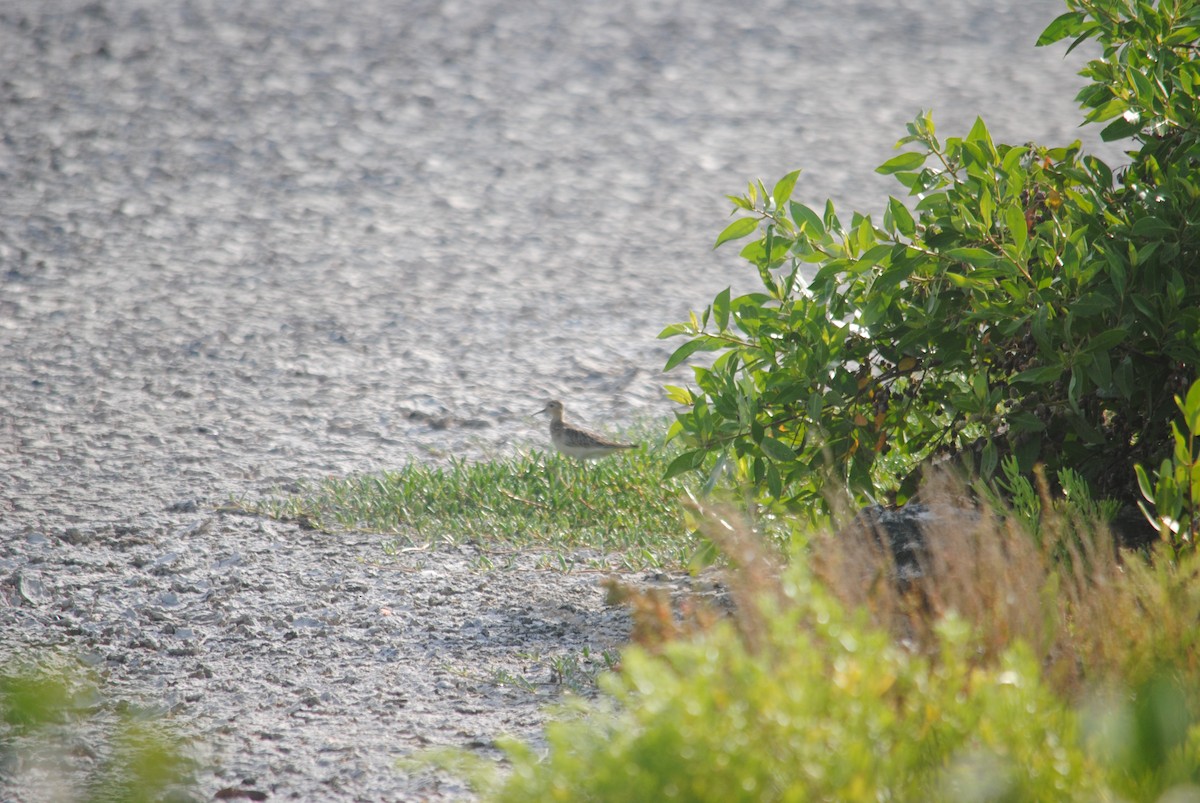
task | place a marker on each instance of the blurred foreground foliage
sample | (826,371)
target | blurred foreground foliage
(62,739)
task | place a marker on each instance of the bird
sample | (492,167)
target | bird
(572,441)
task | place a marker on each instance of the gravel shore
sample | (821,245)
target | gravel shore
(245,243)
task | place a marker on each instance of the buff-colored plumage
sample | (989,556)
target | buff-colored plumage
(573,441)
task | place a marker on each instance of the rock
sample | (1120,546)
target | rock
(31,588)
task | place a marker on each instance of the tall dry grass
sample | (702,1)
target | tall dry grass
(1095,615)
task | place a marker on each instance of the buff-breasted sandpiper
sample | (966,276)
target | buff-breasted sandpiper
(573,441)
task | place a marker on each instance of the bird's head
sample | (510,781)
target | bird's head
(554,408)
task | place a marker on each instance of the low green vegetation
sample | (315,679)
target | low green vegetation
(619,508)
(1173,494)
(573,671)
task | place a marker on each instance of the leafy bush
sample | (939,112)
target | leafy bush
(1028,303)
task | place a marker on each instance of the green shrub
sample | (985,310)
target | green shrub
(1024,301)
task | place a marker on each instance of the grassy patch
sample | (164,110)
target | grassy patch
(620,505)
(573,670)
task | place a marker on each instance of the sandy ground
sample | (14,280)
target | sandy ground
(247,242)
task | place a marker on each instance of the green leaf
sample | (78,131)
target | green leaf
(1026,422)
(777,450)
(720,308)
(986,207)
(1041,375)
(1100,369)
(686,350)
(1012,160)
(1145,485)
(1014,218)
(1182,37)
(1124,377)
(1150,226)
(979,384)
(901,217)
(957,279)
(774,481)
(989,459)
(807,219)
(1183,452)
(783,188)
(831,218)
(1143,305)
(979,134)
(831,269)
(675,330)
(863,236)
(871,258)
(1166,494)
(1107,340)
(1040,329)
(688,461)
(1123,127)
(737,229)
(1091,29)
(1191,409)
(974,158)
(1091,304)
(1064,25)
(1107,110)
(1117,273)
(679,395)
(901,163)
(978,257)
(1145,89)
(741,203)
